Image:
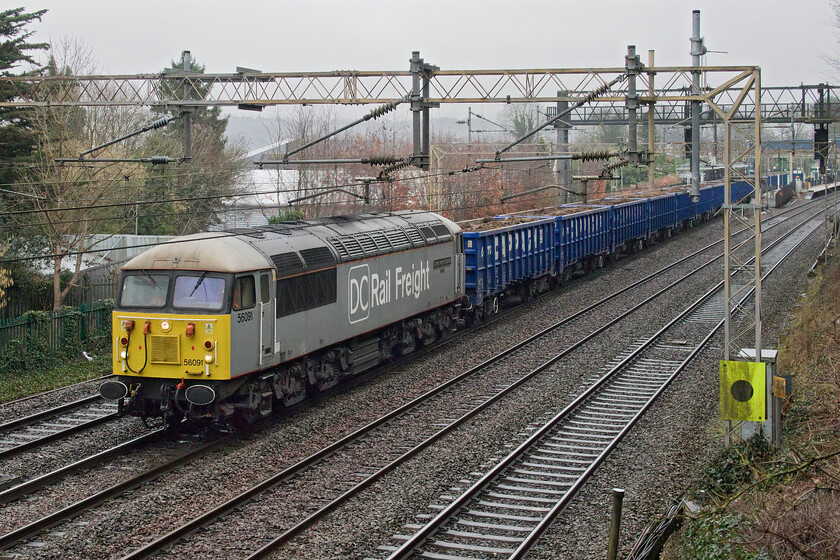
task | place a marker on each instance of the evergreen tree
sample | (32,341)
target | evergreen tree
(16,139)
(213,171)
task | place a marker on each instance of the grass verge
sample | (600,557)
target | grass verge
(14,385)
(783,504)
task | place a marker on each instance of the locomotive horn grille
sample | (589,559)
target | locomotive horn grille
(164,350)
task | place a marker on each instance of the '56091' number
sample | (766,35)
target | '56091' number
(244,317)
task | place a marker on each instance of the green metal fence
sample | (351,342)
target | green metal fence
(62,330)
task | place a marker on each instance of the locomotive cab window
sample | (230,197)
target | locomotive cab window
(244,293)
(199,292)
(265,288)
(144,290)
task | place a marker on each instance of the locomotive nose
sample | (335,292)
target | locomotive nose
(113,390)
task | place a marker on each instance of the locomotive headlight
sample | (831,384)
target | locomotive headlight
(165,326)
(123,354)
(208,358)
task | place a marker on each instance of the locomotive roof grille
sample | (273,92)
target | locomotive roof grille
(441,231)
(382,243)
(398,239)
(318,257)
(428,233)
(360,245)
(368,244)
(415,236)
(287,264)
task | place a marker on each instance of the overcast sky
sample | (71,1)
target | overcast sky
(788,39)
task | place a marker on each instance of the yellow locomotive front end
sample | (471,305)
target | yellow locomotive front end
(171,342)
(175,352)
(171,346)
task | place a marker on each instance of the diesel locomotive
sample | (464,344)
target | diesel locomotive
(240,323)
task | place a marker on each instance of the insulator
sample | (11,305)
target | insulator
(396,167)
(615,165)
(383,109)
(160,123)
(381,160)
(160,160)
(597,92)
(591,156)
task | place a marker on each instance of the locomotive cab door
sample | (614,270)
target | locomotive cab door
(245,323)
(268,312)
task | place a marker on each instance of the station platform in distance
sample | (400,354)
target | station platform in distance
(818,191)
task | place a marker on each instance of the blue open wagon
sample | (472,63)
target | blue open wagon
(663,214)
(630,221)
(502,257)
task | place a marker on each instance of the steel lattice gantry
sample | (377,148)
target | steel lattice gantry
(260,89)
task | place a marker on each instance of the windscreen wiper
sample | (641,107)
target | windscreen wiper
(149,276)
(197,284)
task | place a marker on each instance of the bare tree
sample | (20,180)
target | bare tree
(304,124)
(62,200)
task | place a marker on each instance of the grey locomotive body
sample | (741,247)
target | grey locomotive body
(308,304)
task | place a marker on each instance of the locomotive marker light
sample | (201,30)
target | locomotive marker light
(165,326)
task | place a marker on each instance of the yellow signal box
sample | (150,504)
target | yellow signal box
(743,391)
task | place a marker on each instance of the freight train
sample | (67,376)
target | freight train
(233,325)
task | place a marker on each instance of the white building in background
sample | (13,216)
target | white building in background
(266,196)
(266,188)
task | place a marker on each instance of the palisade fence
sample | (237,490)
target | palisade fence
(87,292)
(61,331)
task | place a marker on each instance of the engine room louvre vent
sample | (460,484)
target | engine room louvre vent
(368,244)
(318,257)
(441,231)
(382,243)
(348,247)
(398,238)
(287,264)
(415,236)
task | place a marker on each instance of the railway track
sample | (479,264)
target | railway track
(36,430)
(355,443)
(288,474)
(505,512)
